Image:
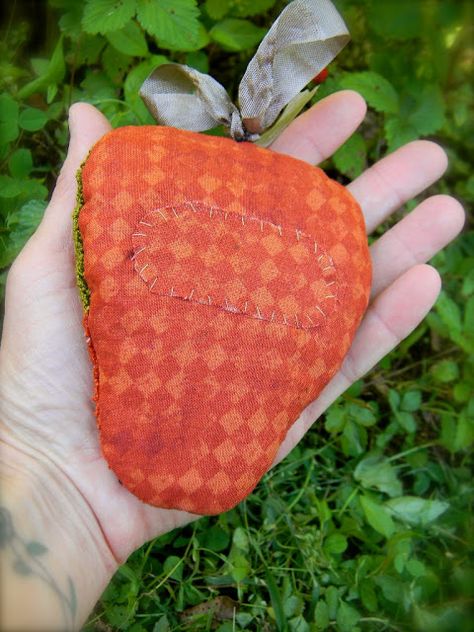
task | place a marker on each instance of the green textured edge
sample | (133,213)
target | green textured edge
(84,291)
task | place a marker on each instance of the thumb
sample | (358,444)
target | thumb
(86,126)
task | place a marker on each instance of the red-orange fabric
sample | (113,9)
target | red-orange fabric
(226,284)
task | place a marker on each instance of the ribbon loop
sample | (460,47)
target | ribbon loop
(303,40)
(181,96)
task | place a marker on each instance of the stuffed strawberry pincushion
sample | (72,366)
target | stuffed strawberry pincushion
(222,285)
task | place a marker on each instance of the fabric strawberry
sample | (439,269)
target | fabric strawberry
(222,283)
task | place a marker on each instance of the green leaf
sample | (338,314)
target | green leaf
(367,595)
(321,615)
(129,40)
(36,548)
(394,400)
(133,580)
(53,75)
(335,419)
(247,8)
(445,371)
(427,117)
(10,187)
(376,90)
(194,45)
(336,543)
(216,9)
(451,318)
(51,92)
(103,16)
(354,439)
(332,600)
(416,511)
(91,47)
(173,21)
(469,315)
(398,132)
(416,568)
(239,567)
(398,19)
(374,472)
(293,606)
(351,158)
(402,551)
(173,567)
(199,60)
(406,421)
(288,114)
(115,64)
(97,86)
(21,225)
(57,66)
(162,625)
(39,65)
(462,392)
(392,588)
(347,617)
(377,516)
(32,119)
(240,539)
(70,20)
(216,539)
(296,624)
(8,119)
(20,163)
(236,35)
(411,401)
(421,113)
(363,415)
(22,188)
(464,433)
(28,217)
(132,85)
(468,281)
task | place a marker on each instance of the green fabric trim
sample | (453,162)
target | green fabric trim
(84,291)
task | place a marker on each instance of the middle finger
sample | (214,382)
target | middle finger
(397,178)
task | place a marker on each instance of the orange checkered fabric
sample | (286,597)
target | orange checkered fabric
(226,284)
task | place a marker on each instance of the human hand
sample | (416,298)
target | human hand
(48,424)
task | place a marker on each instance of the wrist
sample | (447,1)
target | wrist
(51,546)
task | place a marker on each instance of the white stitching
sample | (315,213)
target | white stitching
(196,207)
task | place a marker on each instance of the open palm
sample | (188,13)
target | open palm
(45,373)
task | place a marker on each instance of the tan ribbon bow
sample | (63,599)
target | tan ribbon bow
(303,40)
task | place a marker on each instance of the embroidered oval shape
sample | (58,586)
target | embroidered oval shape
(242,264)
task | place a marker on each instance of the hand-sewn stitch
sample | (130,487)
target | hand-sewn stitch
(143,261)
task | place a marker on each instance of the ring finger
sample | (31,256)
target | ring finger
(415,239)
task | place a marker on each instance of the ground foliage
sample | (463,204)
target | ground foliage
(367,525)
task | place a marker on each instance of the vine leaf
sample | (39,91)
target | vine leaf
(102,16)
(36,548)
(72,597)
(174,22)
(376,90)
(21,567)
